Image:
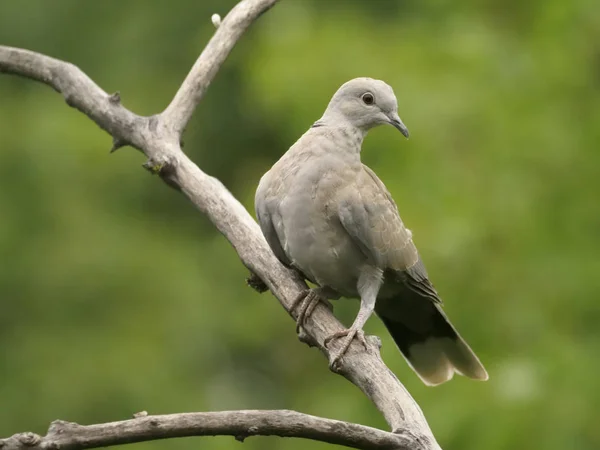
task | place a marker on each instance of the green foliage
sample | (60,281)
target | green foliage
(117,296)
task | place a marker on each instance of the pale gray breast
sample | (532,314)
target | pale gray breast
(300,199)
(316,241)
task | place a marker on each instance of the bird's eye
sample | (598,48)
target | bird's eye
(368,98)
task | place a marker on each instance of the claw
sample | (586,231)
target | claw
(349,335)
(301,296)
(308,301)
(310,308)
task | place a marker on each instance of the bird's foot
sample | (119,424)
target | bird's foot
(307,301)
(348,335)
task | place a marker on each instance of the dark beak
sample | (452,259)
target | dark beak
(397,123)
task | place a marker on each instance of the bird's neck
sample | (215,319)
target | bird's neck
(341,132)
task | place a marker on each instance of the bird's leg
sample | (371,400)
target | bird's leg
(368,287)
(308,301)
(356,330)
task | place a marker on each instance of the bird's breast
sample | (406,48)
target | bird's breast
(315,240)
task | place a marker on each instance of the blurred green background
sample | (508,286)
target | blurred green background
(118,296)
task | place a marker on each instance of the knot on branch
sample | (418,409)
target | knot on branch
(117,144)
(165,168)
(251,431)
(375,341)
(256,283)
(71,99)
(115,98)
(306,338)
(61,426)
(29,439)
(158,167)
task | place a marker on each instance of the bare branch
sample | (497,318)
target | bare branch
(179,112)
(78,90)
(239,424)
(159,138)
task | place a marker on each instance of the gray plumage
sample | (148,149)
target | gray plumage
(329,216)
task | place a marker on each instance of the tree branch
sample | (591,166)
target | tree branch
(158,137)
(78,90)
(229,31)
(239,424)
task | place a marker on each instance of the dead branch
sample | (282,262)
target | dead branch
(158,137)
(239,424)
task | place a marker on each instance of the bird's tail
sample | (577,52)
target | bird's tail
(430,344)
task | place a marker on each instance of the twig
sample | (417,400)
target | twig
(158,137)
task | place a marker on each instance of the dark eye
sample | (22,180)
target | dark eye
(368,98)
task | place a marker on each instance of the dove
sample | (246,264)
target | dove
(327,215)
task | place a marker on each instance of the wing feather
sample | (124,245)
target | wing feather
(369,214)
(269,224)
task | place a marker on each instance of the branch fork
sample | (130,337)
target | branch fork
(159,138)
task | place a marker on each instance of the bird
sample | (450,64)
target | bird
(327,215)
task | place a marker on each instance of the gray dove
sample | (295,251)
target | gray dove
(326,214)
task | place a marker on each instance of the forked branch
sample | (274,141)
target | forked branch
(158,137)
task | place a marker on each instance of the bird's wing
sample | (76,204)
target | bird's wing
(269,223)
(369,214)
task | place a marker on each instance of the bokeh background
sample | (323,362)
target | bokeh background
(117,296)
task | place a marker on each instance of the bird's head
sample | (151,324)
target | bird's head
(365,103)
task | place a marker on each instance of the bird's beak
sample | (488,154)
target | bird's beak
(397,123)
